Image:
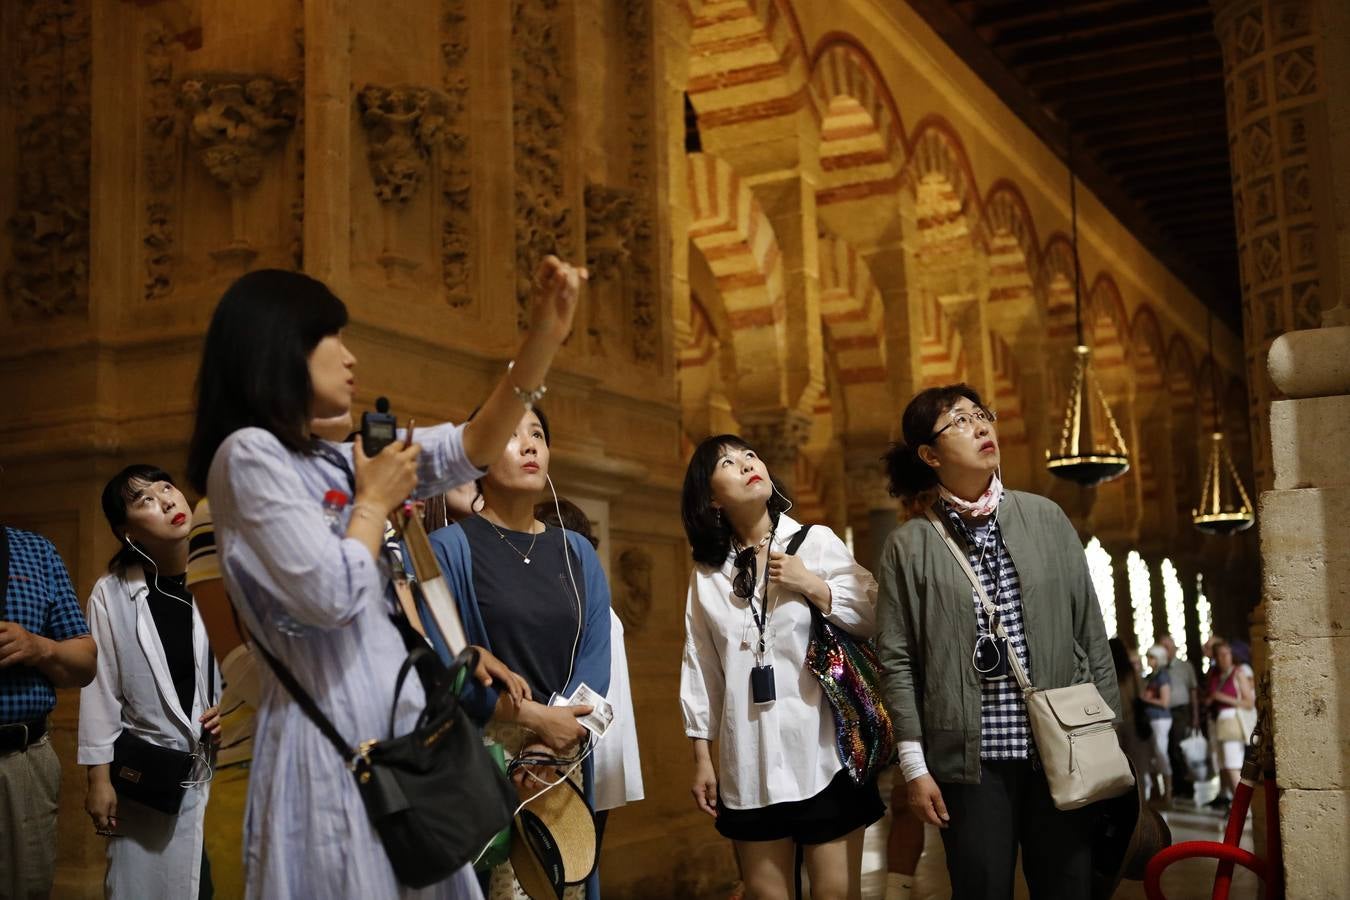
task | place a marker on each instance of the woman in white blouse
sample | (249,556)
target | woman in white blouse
(779,782)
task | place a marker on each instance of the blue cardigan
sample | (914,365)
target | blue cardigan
(592,661)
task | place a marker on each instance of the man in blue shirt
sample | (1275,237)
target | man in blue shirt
(44,644)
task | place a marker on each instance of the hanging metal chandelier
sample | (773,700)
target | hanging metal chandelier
(1091,449)
(1224,506)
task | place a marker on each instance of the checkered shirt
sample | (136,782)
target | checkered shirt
(1005,732)
(40,599)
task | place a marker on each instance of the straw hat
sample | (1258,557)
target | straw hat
(553,841)
(1126,834)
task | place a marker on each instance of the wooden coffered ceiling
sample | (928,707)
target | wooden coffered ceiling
(1137,86)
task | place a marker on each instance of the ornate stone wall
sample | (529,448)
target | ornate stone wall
(837,225)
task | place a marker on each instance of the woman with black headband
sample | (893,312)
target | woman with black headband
(966,748)
(779,782)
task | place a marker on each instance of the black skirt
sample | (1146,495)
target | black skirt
(839,809)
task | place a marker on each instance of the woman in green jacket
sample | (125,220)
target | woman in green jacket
(966,750)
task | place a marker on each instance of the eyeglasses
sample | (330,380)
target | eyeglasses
(963,422)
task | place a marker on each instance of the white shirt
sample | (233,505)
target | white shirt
(784,750)
(618,767)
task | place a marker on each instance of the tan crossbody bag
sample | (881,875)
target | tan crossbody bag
(1075,739)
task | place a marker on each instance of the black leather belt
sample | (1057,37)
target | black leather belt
(20,736)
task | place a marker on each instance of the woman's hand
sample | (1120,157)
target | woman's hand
(101,801)
(553,299)
(704,787)
(790,572)
(925,800)
(491,669)
(537,778)
(556,726)
(211,723)
(383,481)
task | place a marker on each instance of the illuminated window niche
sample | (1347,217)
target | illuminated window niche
(1103,582)
(1175,601)
(1141,602)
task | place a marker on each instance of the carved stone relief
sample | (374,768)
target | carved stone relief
(404,125)
(543,218)
(162,153)
(47,274)
(455,169)
(634,600)
(297,247)
(234,120)
(644,294)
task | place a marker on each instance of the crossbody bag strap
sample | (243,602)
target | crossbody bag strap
(992,611)
(307,703)
(795,542)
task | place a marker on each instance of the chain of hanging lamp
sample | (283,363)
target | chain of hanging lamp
(1091,449)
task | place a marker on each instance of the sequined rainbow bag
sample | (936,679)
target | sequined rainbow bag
(849,673)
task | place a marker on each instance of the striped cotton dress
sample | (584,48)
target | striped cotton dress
(318,601)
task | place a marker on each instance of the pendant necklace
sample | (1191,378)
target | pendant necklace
(526,555)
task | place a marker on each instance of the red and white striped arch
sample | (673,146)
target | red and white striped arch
(1007,399)
(1014,250)
(851,313)
(700,346)
(747,61)
(862,147)
(947,201)
(1057,276)
(1104,313)
(1146,350)
(942,356)
(736,239)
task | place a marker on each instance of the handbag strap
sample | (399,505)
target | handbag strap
(992,611)
(302,697)
(795,542)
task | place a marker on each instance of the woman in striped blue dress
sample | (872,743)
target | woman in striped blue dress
(313,592)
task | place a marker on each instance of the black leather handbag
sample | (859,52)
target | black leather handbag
(434,795)
(155,776)
(151,775)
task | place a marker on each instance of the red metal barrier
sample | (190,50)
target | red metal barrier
(1258,766)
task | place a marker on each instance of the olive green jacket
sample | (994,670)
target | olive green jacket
(928,628)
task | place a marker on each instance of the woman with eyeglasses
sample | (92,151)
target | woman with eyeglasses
(156,684)
(966,749)
(779,783)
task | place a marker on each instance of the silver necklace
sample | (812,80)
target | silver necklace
(526,555)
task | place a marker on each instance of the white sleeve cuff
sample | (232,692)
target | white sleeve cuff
(912,764)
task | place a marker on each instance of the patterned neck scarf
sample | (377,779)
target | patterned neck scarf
(983,506)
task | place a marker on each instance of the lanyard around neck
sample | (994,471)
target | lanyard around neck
(761,614)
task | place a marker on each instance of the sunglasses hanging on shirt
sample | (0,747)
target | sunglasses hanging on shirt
(762,687)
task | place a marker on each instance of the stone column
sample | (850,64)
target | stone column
(1276,57)
(872,511)
(1305,557)
(778,435)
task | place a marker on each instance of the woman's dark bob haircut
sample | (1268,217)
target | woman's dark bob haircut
(255,362)
(909,475)
(709,533)
(123,488)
